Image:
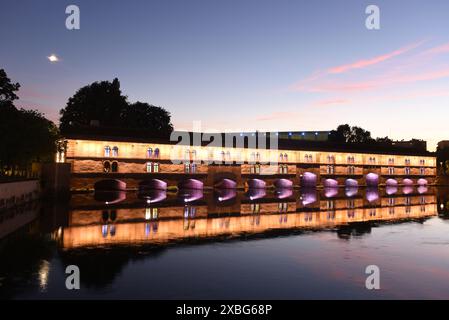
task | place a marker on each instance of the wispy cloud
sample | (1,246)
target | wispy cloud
(372,61)
(328,102)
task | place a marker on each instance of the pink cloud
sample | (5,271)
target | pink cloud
(438,50)
(321,103)
(277,116)
(369,62)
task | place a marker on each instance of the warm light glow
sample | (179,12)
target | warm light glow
(44,270)
(53,58)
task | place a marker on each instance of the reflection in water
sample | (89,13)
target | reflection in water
(372,195)
(351,191)
(283,193)
(116,234)
(153,196)
(423,189)
(407,189)
(390,190)
(110,197)
(223,195)
(330,192)
(190,195)
(254,194)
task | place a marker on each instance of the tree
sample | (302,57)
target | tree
(26,136)
(100,101)
(7,89)
(347,134)
(154,120)
(101,109)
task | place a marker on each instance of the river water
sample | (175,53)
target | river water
(273,244)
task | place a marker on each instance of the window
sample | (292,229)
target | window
(187,155)
(193,168)
(391,170)
(283,169)
(193,155)
(107,151)
(330,170)
(391,201)
(255,208)
(330,159)
(422,171)
(114,167)
(422,162)
(258,156)
(149,152)
(107,166)
(351,159)
(351,170)
(285,157)
(152,167)
(281,157)
(187,168)
(115,152)
(407,170)
(391,161)
(257,169)
(156,153)
(407,162)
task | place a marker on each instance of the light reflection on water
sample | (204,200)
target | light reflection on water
(228,244)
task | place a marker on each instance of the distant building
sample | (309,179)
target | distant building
(414,144)
(291,135)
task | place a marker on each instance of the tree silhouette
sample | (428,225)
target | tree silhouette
(101,108)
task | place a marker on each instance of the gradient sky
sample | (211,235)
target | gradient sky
(241,64)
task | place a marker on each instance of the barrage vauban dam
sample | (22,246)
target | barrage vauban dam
(117,163)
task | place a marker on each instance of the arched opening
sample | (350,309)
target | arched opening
(422,182)
(110,185)
(330,183)
(407,182)
(152,195)
(408,189)
(191,184)
(391,182)
(153,184)
(351,183)
(283,184)
(309,179)
(422,189)
(115,151)
(308,197)
(226,183)
(109,197)
(372,179)
(114,166)
(256,184)
(351,191)
(225,195)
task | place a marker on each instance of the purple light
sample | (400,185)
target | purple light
(226,184)
(407,182)
(372,195)
(351,191)
(391,182)
(110,185)
(153,196)
(254,194)
(283,184)
(191,184)
(309,179)
(308,197)
(225,194)
(372,179)
(351,183)
(391,190)
(256,184)
(330,183)
(330,192)
(153,184)
(407,189)
(283,193)
(422,189)
(110,197)
(422,182)
(190,195)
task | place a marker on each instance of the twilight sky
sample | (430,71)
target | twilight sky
(243,64)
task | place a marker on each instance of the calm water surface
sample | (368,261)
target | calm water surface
(274,244)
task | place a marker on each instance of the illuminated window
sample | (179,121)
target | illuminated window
(107,151)
(149,167)
(281,157)
(285,157)
(115,152)
(422,171)
(187,168)
(149,152)
(193,168)
(156,153)
(155,167)
(407,170)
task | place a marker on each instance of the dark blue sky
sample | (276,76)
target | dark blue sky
(241,65)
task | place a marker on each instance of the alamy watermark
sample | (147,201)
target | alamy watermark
(372,282)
